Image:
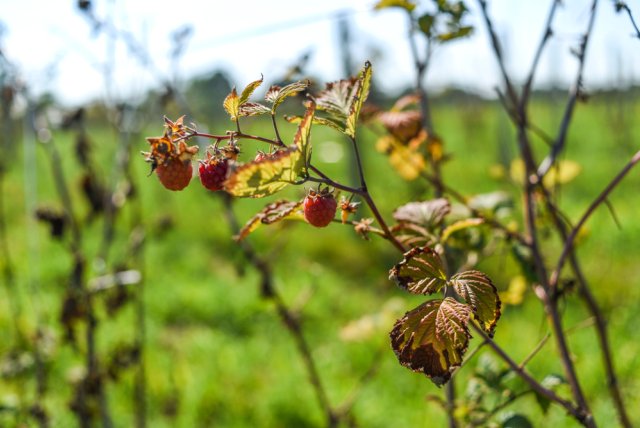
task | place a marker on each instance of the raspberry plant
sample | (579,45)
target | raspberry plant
(432,338)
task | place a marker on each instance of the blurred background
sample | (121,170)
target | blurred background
(123,304)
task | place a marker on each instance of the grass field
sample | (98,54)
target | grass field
(216,353)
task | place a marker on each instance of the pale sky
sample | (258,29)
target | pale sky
(56,50)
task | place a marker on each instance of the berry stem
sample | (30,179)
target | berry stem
(231,135)
(364,194)
(275,129)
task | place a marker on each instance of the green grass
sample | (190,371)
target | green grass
(216,353)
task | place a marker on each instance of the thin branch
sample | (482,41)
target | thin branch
(548,32)
(620,5)
(511,92)
(560,141)
(555,276)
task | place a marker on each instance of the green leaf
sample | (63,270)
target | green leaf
(363,84)
(425,23)
(262,178)
(276,94)
(248,90)
(270,214)
(456,34)
(433,338)
(253,109)
(479,292)
(428,214)
(232,104)
(403,4)
(301,139)
(420,272)
(460,225)
(516,420)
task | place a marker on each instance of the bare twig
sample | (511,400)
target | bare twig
(622,6)
(548,32)
(555,276)
(561,139)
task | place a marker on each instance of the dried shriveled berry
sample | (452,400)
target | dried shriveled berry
(320,207)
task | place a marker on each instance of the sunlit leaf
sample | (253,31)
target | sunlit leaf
(403,4)
(479,292)
(361,94)
(420,272)
(460,225)
(301,139)
(232,104)
(270,214)
(248,91)
(427,213)
(253,109)
(276,94)
(433,338)
(406,159)
(337,97)
(262,178)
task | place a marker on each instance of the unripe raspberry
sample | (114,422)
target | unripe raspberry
(213,173)
(319,208)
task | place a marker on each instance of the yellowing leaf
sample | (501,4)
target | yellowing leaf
(479,292)
(405,159)
(301,139)
(420,272)
(460,225)
(232,104)
(361,94)
(403,4)
(248,90)
(262,178)
(270,214)
(563,172)
(433,338)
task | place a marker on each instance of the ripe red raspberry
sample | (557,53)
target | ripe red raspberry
(213,172)
(319,208)
(175,174)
